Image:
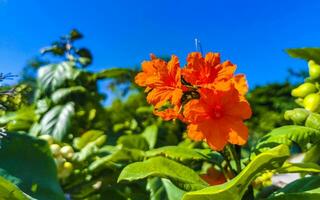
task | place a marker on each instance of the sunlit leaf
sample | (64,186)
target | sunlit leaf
(236,188)
(182,176)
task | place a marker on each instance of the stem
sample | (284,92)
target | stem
(225,172)
(235,157)
(225,155)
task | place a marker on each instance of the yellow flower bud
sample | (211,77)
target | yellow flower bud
(303,90)
(312,102)
(314,70)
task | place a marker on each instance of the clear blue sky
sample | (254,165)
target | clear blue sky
(252,34)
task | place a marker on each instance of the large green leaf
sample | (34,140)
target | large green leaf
(182,176)
(62,94)
(305,53)
(180,154)
(53,76)
(302,189)
(28,163)
(163,189)
(57,121)
(9,191)
(300,135)
(236,188)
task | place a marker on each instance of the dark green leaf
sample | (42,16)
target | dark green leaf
(30,161)
(305,53)
(302,189)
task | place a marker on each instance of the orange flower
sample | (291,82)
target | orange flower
(240,83)
(217,117)
(213,177)
(163,81)
(208,71)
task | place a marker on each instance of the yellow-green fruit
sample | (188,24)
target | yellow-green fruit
(314,70)
(67,152)
(303,90)
(55,149)
(47,138)
(312,102)
(66,170)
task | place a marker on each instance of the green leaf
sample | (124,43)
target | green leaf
(61,94)
(9,191)
(133,142)
(298,168)
(163,189)
(114,73)
(75,35)
(180,154)
(302,189)
(85,56)
(182,176)
(57,121)
(117,155)
(312,155)
(150,133)
(53,76)
(305,53)
(236,188)
(29,160)
(288,135)
(87,137)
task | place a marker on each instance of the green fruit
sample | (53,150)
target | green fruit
(312,102)
(68,166)
(67,152)
(314,70)
(298,115)
(303,90)
(66,170)
(55,149)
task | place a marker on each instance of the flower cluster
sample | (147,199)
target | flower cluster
(205,94)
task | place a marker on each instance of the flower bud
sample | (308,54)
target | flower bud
(313,121)
(312,102)
(55,149)
(314,70)
(66,170)
(67,152)
(298,115)
(303,90)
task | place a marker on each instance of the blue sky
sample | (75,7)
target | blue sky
(252,34)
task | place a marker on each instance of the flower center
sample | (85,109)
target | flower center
(217,111)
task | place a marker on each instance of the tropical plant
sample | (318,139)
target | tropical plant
(72,146)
